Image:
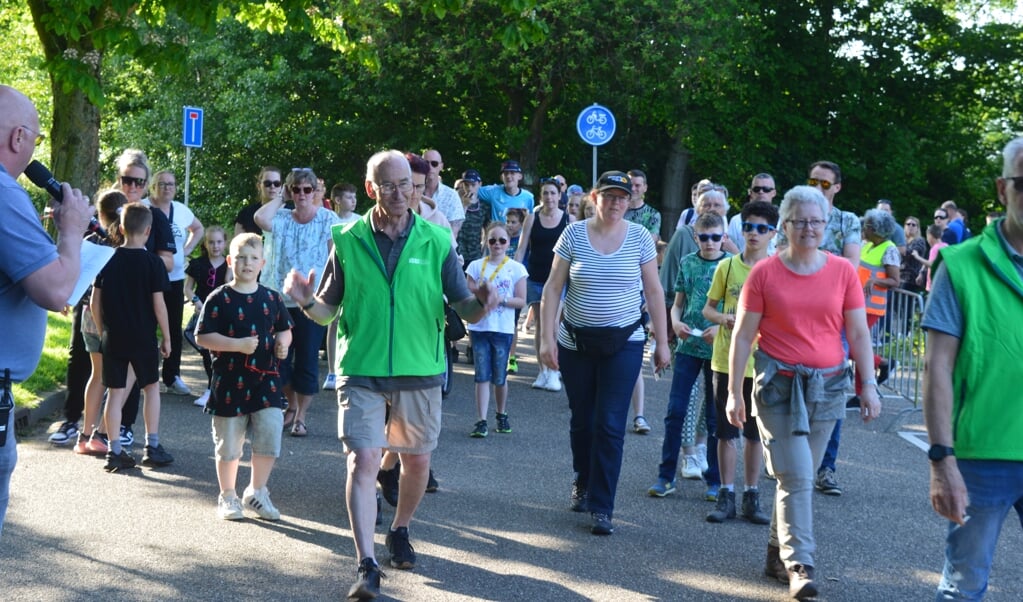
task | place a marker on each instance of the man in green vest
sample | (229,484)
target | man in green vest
(386,282)
(971,409)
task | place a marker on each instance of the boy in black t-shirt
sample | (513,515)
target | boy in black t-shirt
(248,329)
(127,306)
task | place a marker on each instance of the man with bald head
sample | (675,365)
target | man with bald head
(35,274)
(444,196)
(387,279)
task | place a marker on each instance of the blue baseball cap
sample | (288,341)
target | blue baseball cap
(471,175)
(511,166)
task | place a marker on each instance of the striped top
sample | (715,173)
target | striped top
(603,290)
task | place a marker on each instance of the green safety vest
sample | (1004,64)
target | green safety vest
(987,406)
(393,327)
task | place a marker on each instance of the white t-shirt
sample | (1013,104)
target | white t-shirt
(503,276)
(180,218)
(449,203)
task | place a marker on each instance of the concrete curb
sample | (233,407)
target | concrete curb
(25,418)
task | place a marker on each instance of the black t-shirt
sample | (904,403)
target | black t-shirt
(243,384)
(541,247)
(128,283)
(247,218)
(206,276)
(161,236)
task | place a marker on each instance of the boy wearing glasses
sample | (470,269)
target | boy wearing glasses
(759,223)
(248,329)
(692,353)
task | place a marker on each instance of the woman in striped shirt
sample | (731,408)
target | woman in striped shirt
(608,264)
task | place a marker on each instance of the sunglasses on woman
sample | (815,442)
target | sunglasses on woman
(303,189)
(495,241)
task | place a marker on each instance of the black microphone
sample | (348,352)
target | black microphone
(42,177)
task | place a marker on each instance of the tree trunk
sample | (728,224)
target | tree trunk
(675,191)
(74,137)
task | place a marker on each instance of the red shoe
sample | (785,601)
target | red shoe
(98,445)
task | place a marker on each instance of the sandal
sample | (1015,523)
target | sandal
(298,429)
(289,424)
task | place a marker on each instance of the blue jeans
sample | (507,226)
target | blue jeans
(599,395)
(994,487)
(831,453)
(687,370)
(301,369)
(490,356)
(8,458)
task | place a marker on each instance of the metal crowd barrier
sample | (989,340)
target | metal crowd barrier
(898,338)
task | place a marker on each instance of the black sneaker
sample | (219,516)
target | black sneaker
(367,586)
(801,585)
(388,480)
(826,482)
(431,483)
(601,524)
(122,461)
(503,426)
(402,554)
(480,430)
(751,508)
(579,498)
(774,568)
(156,456)
(127,437)
(725,508)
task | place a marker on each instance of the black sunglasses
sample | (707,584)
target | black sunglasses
(130,181)
(706,237)
(760,228)
(761,189)
(298,189)
(435,163)
(494,241)
(271,183)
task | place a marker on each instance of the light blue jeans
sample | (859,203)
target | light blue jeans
(994,487)
(8,458)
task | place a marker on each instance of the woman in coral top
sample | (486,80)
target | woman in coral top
(798,302)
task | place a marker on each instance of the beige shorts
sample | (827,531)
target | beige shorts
(412,427)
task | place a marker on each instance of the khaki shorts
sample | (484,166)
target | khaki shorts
(263,426)
(412,427)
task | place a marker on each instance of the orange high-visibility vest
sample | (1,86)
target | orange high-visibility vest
(870,265)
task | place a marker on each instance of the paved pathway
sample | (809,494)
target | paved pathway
(498,529)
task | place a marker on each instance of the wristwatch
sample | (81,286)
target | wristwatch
(937,453)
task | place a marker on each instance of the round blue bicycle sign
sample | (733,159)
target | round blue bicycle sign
(596,125)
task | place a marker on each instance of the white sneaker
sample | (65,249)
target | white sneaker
(691,467)
(259,502)
(202,399)
(553,383)
(330,383)
(178,387)
(701,456)
(229,508)
(541,379)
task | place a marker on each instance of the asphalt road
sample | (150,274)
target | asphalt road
(498,529)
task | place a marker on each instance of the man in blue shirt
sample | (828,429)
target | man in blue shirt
(508,195)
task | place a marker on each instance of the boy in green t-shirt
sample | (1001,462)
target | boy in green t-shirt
(759,223)
(693,353)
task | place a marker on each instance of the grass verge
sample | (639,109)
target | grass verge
(52,368)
